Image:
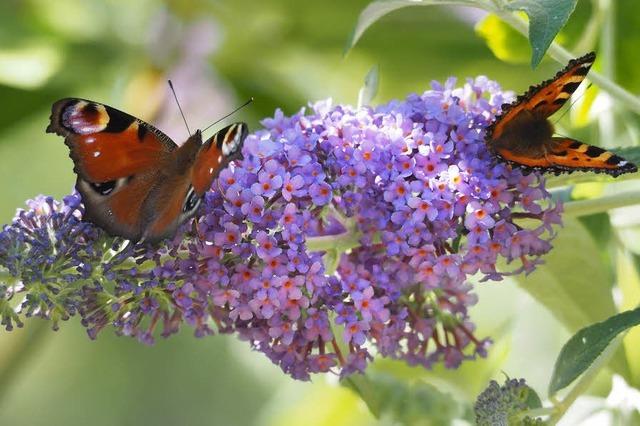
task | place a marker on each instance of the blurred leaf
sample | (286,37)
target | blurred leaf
(370,88)
(377,9)
(626,220)
(575,282)
(586,345)
(314,404)
(627,35)
(585,191)
(628,272)
(546,18)
(407,403)
(506,43)
(28,67)
(572,283)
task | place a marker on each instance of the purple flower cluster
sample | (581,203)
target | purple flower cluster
(44,251)
(341,234)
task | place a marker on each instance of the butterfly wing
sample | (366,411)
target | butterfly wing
(170,203)
(522,134)
(215,154)
(177,196)
(565,154)
(107,144)
(546,98)
(117,209)
(117,158)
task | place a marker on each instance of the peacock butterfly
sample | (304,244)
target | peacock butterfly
(523,136)
(135,182)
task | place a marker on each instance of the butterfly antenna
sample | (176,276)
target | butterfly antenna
(573,102)
(231,113)
(179,107)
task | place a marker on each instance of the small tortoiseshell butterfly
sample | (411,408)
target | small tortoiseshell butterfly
(135,182)
(523,136)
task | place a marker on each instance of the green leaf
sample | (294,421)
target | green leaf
(370,88)
(582,349)
(571,283)
(407,403)
(628,271)
(546,18)
(625,49)
(631,154)
(377,9)
(506,43)
(575,284)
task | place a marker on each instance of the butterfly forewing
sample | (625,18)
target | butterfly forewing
(546,98)
(215,154)
(107,144)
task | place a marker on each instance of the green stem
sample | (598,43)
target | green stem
(585,380)
(537,412)
(602,204)
(340,243)
(21,354)
(563,56)
(573,179)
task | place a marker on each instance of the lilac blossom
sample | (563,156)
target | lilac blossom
(341,234)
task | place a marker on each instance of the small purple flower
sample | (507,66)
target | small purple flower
(362,223)
(292,186)
(478,214)
(321,193)
(267,246)
(254,209)
(355,332)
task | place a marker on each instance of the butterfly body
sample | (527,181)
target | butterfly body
(522,134)
(135,182)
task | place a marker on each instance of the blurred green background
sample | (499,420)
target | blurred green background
(285,53)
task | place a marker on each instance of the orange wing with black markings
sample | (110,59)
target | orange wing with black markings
(215,154)
(570,154)
(135,182)
(523,136)
(107,144)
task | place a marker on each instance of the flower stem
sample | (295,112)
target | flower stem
(602,204)
(340,242)
(563,56)
(21,354)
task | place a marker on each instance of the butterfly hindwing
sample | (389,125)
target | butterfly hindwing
(107,144)
(116,208)
(169,204)
(569,154)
